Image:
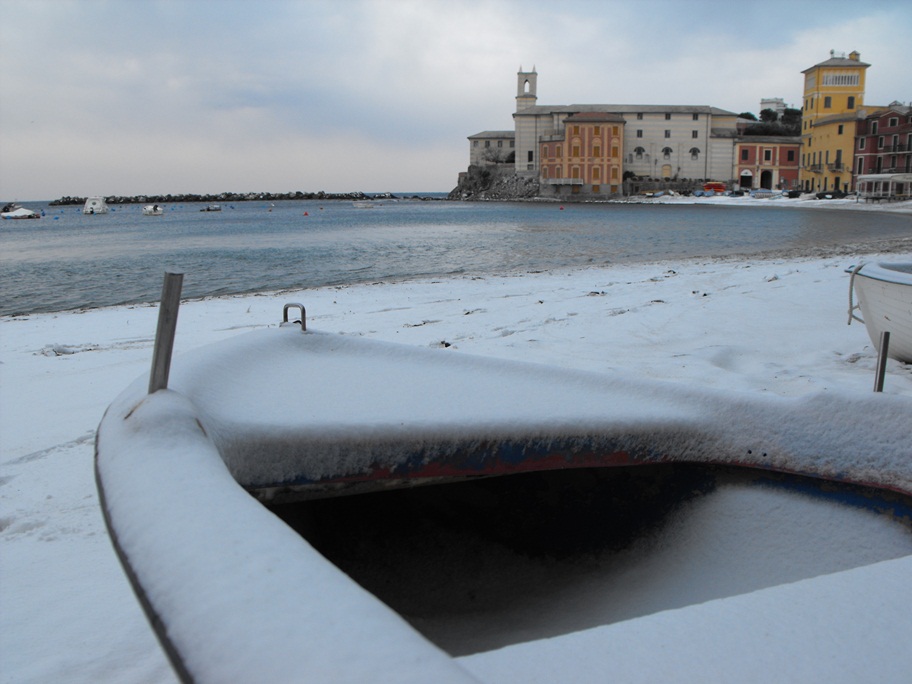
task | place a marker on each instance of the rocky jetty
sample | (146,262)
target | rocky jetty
(494,182)
(229,197)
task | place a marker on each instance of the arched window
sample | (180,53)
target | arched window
(695,153)
(639,151)
(666,152)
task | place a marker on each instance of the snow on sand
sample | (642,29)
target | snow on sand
(776,326)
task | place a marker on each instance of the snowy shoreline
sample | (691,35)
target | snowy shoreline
(773,324)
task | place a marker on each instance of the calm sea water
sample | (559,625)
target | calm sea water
(67,260)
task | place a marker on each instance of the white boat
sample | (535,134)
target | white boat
(153,210)
(16,212)
(284,413)
(212,207)
(884,292)
(95,205)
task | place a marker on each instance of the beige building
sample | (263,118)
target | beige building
(672,142)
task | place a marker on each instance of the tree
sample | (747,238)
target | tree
(769,116)
(747,115)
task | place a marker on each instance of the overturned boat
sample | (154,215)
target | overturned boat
(186,461)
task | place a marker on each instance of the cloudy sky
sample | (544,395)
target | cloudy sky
(145,97)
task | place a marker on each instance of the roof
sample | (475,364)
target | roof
(595,116)
(838,62)
(493,134)
(538,110)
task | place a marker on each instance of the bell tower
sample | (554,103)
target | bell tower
(526,85)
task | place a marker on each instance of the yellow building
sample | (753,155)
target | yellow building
(833,96)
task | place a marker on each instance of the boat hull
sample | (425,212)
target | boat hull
(884,293)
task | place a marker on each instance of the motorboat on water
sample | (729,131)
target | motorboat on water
(884,298)
(95,205)
(16,212)
(185,470)
(153,210)
(212,207)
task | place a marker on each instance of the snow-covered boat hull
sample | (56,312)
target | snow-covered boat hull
(884,292)
(284,414)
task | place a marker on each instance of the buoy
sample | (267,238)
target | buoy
(306,214)
(561,208)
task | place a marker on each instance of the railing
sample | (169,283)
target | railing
(836,166)
(815,168)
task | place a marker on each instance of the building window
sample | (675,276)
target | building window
(694,153)
(840,79)
(767,155)
(861,143)
(744,154)
(639,116)
(667,133)
(839,130)
(487,143)
(695,134)
(639,152)
(827,102)
(873,128)
(575,152)
(639,132)
(893,122)
(597,130)
(576,130)
(531,157)
(696,117)
(474,143)
(614,131)
(790,155)
(500,143)
(667,116)
(666,152)
(880,143)
(860,165)
(850,103)
(558,154)
(596,151)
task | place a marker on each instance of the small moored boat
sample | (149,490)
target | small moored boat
(153,210)
(884,292)
(95,205)
(16,212)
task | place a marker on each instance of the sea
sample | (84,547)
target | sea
(67,260)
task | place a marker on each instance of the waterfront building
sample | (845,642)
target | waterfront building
(663,142)
(833,100)
(491,147)
(585,157)
(883,153)
(769,162)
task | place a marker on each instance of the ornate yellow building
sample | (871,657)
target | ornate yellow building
(833,97)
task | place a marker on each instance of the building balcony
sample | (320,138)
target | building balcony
(837,166)
(562,181)
(815,168)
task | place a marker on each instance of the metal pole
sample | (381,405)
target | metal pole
(164,335)
(882,361)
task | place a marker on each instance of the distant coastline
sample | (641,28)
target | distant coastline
(238,197)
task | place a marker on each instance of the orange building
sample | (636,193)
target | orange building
(586,158)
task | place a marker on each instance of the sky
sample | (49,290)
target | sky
(156,97)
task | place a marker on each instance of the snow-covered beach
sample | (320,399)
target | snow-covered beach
(772,325)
